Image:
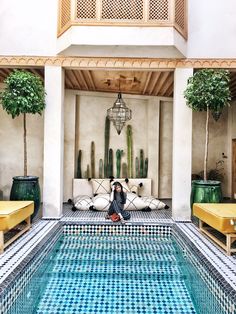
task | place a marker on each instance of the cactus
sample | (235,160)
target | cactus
(110,163)
(137,167)
(87,173)
(145,168)
(100,169)
(141,163)
(79,173)
(106,147)
(119,153)
(124,170)
(92,157)
(130,151)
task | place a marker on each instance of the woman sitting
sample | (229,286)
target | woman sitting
(118,200)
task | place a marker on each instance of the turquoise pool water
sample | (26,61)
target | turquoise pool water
(112,274)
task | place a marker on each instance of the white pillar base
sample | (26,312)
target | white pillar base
(53,143)
(182,149)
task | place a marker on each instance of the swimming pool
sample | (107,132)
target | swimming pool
(116,269)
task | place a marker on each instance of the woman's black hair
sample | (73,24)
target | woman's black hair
(121,193)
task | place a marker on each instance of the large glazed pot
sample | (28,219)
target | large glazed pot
(206,192)
(26,189)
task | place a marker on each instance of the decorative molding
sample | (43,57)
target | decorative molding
(114,63)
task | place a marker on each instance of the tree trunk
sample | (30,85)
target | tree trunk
(206,145)
(25,146)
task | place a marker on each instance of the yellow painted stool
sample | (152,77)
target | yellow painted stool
(221,217)
(12,213)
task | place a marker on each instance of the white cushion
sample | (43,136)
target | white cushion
(153,202)
(101,186)
(83,202)
(102,202)
(134,202)
(134,189)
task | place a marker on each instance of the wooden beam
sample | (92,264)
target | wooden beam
(154,83)
(147,82)
(76,79)
(90,77)
(83,79)
(168,82)
(160,84)
(170,90)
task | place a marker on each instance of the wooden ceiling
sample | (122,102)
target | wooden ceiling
(151,83)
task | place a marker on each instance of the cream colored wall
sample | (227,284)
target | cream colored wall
(11,149)
(166,140)
(218,144)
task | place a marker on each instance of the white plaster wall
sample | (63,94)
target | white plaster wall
(211,29)
(28,27)
(166,142)
(11,149)
(218,144)
(69,143)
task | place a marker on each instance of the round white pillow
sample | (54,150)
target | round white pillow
(101,202)
(83,202)
(153,202)
(134,202)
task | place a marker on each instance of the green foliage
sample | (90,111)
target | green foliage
(215,174)
(24,93)
(130,151)
(110,163)
(106,147)
(141,162)
(208,88)
(100,174)
(79,172)
(92,157)
(137,175)
(119,153)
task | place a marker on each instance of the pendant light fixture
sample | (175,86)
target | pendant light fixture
(119,113)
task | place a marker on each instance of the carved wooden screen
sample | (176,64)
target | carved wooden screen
(180,14)
(65,12)
(86,9)
(122,10)
(158,10)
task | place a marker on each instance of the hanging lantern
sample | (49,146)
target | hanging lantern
(119,113)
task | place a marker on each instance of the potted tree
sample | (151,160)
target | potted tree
(24,93)
(207,90)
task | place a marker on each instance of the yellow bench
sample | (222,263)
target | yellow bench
(221,217)
(12,213)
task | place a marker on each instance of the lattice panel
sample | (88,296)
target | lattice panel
(158,10)
(65,12)
(86,9)
(122,9)
(180,13)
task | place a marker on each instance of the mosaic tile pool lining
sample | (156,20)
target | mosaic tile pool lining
(226,264)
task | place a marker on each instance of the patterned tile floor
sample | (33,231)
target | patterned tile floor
(155,216)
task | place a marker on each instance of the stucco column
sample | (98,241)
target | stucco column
(53,142)
(182,148)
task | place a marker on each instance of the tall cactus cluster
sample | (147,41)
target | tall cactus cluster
(79,172)
(106,168)
(130,151)
(106,148)
(92,157)
(110,163)
(100,173)
(141,165)
(118,162)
